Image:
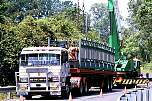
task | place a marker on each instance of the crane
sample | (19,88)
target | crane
(131,67)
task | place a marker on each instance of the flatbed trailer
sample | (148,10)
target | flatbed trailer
(104,79)
(78,71)
(94,78)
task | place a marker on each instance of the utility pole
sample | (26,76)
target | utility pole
(83,10)
(78,12)
(85,21)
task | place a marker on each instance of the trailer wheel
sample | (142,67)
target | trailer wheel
(81,88)
(66,92)
(28,97)
(110,84)
(86,88)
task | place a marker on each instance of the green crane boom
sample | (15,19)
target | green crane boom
(113,37)
(121,63)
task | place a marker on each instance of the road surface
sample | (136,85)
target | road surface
(93,96)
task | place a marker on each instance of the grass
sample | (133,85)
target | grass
(147,68)
(3,96)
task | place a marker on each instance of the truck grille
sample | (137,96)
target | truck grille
(37,70)
(37,80)
(38,88)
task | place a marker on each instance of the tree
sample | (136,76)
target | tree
(140,21)
(138,37)
(4,4)
(130,45)
(9,50)
(7,46)
(37,8)
(93,36)
(100,20)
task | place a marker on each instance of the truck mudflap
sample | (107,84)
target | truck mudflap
(130,81)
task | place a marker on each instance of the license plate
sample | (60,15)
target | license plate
(53,88)
(38,85)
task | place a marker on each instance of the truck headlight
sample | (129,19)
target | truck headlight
(54,86)
(24,80)
(23,87)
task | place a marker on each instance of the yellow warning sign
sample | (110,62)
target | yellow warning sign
(132,81)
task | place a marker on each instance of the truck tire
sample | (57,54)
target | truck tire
(65,93)
(81,89)
(110,85)
(86,89)
(28,97)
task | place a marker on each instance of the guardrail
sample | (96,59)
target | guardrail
(140,94)
(8,91)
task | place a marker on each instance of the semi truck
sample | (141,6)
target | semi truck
(56,70)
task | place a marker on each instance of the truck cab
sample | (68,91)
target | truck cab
(42,70)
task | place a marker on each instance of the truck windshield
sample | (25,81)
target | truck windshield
(39,59)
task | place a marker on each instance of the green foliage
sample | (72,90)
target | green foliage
(138,38)
(36,31)
(3,8)
(100,18)
(19,9)
(147,68)
(93,36)
(32,34)
(9,50)
(2,96)
(130,42)
(75,15)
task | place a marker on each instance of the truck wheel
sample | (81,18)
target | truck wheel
(86,88)
(28,97)
(66,92)
(110,85)
(81,89)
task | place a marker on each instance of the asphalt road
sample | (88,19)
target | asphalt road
(92,96)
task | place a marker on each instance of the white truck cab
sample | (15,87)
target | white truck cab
(42,70)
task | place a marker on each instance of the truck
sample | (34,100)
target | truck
(57,70)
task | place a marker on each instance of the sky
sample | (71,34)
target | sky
(122,4)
